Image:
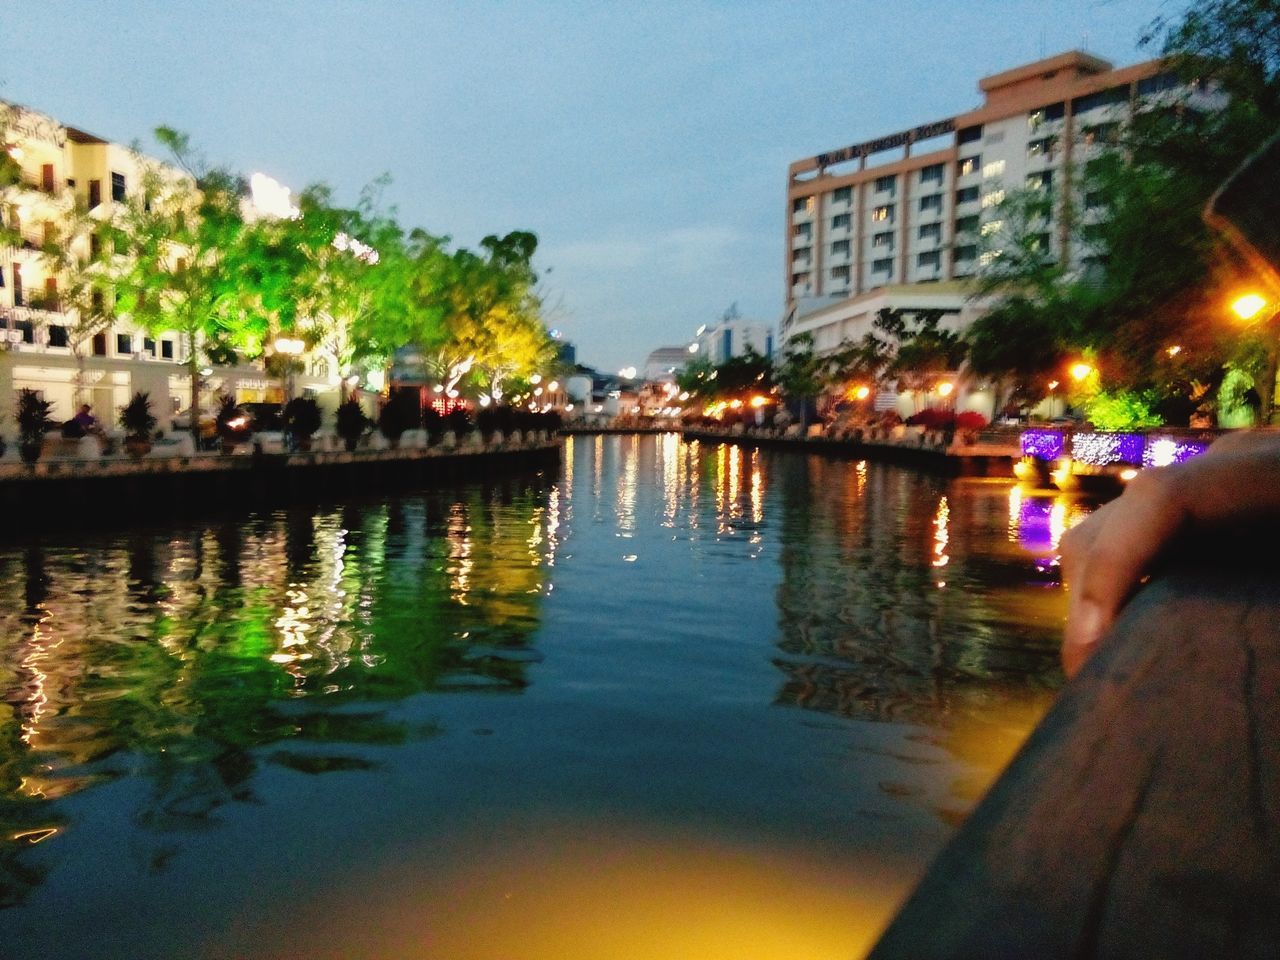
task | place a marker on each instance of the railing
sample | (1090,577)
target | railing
(1142,817)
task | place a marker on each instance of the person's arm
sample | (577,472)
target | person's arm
(1105,557)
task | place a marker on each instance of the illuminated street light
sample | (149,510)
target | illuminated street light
(289,346)
(1174,350)
(553,386)
(1248,306)
(946,388)
(1079,371)
(1053,384)
(693,348)
(627,373)
(862,392)
(536,379)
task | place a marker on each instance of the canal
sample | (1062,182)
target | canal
(679,700)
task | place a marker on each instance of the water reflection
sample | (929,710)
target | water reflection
(178,655)
(660,662)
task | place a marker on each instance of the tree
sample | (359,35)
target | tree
(801,373)
(183,232)
(1020,344)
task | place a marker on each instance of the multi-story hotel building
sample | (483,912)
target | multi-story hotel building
(60,167)
(868,225)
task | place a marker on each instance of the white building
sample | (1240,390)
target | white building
(731,337)
(61,167)
(663,364)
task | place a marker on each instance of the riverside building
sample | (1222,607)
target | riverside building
(62,168)
(902,218)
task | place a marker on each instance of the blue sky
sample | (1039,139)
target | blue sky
(645,143)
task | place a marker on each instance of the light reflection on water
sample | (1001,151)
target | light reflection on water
(681,700)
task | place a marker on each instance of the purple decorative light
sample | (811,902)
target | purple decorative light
(1104,449)
(1164,450)
(1042,444)
(1035,525)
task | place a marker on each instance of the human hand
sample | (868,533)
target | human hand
(1105,558)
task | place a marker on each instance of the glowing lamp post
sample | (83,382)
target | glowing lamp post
(289,348)
(1251,308)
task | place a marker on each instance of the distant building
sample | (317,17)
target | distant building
(566,353)
(916,214)
(664,363)
(731,337)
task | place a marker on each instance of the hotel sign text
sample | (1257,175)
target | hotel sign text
(894,140)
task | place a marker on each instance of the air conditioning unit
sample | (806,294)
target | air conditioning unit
(14,336)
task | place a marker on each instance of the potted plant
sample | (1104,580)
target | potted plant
(33,420)
(231,423)
(434,423)
(301,419)
(351,423)
(396,416)
(138,422)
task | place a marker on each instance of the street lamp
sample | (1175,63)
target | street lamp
(288,347)
(1248,306)
(1080,371)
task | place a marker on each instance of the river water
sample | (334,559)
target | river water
(679,700)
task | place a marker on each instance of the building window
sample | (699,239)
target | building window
(1045,146)
(840,274)
(799,230)
(166,349)
(1157,84)
(883,213)
(27,329)
(1101,133)
(932,173)
(991,227)
(840,248)
(46,177)
(95,193)
(931,203)
(1094,199)
(988,257)
(802,205)
(882,239)
(99,344)
(930,258)
(930,231)
(57,335)
(1042,180)
(1104,98)
(842,195)
(965,251)
(98,301)
(801,257)
(124,343)
(993,169)
(148,346)
(840,222)
(884,265)
(51,301)
(967,195)
(117,187)
(967,224)
(992,199)
(18,300)
(1039,243)
(799,278)
(968,165)
(885,184)
(969,134)
(95,246)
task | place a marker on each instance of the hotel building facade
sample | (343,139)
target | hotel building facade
(889,221)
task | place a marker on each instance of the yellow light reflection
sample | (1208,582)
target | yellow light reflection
(941,536)
(645,894)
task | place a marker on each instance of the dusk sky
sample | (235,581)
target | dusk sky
(645,144)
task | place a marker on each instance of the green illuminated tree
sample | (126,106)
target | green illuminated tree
(184,235)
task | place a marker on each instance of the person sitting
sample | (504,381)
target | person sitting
(85,424)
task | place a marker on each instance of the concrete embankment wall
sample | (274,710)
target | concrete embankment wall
(948,461)
(66,493)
